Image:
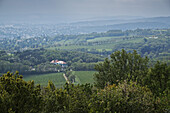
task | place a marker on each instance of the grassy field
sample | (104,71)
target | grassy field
(42,79)
(104,38)
(83,77)
(98,47)
(107,46)
(2,74)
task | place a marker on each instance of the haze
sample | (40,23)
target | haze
(83,9)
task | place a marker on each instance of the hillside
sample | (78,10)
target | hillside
(38,61)
(27,52)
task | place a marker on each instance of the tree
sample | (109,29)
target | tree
(158,78)
(123,98)
(72,78)
(121,66)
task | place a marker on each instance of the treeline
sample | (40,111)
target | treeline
(39,60)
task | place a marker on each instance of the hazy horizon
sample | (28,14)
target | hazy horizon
(82,9)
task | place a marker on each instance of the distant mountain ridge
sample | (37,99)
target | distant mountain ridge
(51,26)
(123,20)
(123,24)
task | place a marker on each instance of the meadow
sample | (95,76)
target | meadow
(83,77)
(100,43)
(42,79)
(97,39)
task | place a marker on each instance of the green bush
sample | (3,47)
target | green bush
(19,96)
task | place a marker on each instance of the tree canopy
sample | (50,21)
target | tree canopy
(121,66)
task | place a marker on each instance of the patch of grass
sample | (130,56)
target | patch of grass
(2,74)
(102,39)
(107,46)
(83,77)
(42,79)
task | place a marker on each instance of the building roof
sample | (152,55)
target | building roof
(58,62)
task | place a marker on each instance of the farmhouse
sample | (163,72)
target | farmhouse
(154,37)
(61,63)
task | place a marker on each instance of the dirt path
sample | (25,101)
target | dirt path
(64,75)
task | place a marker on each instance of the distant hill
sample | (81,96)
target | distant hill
(165,20)
(121,20)
(123,24)
(128,26)
(50,26)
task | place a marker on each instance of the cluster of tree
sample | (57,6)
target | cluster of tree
(6,66)
(70,75)
(83,66)
(132,67)
(39,60)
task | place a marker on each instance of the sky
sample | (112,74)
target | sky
(79,9)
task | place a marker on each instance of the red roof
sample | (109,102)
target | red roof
(58,62)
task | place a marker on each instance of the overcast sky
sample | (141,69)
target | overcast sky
(87,8)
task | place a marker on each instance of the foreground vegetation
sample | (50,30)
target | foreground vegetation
(124,83)
(18,95)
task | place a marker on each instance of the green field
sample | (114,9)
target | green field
(42,79)
(107,46)
(2,74)
(83,77)
(104,39)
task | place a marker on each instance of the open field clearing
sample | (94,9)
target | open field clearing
(42,79)
(108,45)
(83,77)
(104,39)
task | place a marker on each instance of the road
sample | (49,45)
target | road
(64,75)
